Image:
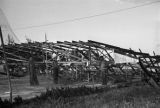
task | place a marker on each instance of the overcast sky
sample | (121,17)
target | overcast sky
(134,28)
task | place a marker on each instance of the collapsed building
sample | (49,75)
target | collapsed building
(79,57)
(83,59)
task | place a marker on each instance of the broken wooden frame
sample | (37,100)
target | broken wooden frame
(82,56)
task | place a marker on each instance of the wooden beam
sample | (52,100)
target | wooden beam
(6,65)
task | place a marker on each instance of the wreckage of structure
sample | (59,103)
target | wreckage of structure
(77,56)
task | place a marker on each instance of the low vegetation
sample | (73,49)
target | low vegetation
(52,96)
(86,97)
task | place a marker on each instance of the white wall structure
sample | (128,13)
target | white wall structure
(124,59)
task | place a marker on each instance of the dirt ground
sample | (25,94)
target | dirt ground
(22,87)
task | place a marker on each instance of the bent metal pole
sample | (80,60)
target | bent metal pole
(6,65)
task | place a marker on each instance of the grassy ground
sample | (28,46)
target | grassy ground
(22,87)
(129,97)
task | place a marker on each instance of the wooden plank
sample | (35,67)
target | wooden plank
(6,65)
(120,49)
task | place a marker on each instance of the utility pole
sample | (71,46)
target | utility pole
(6,65)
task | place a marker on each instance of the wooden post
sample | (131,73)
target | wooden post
(76,72)
(33,72)
(46,65)
(89,65)
(93,78)
(46,57)
(55,72)
(152,80)
(6,65)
